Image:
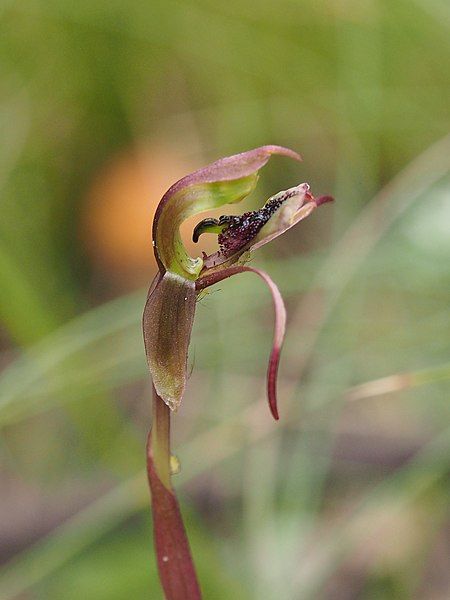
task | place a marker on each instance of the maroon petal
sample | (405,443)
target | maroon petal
(279,329)
(225,169)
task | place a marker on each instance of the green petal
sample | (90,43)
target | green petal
(184,204)
(167,324)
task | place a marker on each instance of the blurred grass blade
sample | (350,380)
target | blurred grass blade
(398,382)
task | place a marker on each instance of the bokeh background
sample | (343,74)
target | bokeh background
(102,106)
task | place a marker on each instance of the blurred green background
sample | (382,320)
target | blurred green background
(102,106)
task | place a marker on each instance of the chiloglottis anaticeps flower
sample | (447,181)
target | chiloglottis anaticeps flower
(170,307)
(169,312)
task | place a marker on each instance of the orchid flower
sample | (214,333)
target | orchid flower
(169,315)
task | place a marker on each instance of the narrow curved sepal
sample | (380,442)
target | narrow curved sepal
(225,181)
(167,325)
(279,327)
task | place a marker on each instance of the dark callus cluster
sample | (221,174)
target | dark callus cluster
(236,231)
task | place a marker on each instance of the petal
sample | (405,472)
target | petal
(279,328)
(167,324)
(294,210)
(225,181)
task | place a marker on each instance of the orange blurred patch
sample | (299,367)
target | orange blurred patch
(118,213)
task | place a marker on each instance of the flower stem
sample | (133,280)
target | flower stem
(159,439)
(175,564)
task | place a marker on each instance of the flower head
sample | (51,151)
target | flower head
(170,307)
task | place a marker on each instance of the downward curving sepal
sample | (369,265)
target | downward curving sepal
(167,325)
(279,328)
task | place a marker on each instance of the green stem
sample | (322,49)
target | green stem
(159,439)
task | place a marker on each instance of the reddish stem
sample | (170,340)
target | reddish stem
(175,564)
